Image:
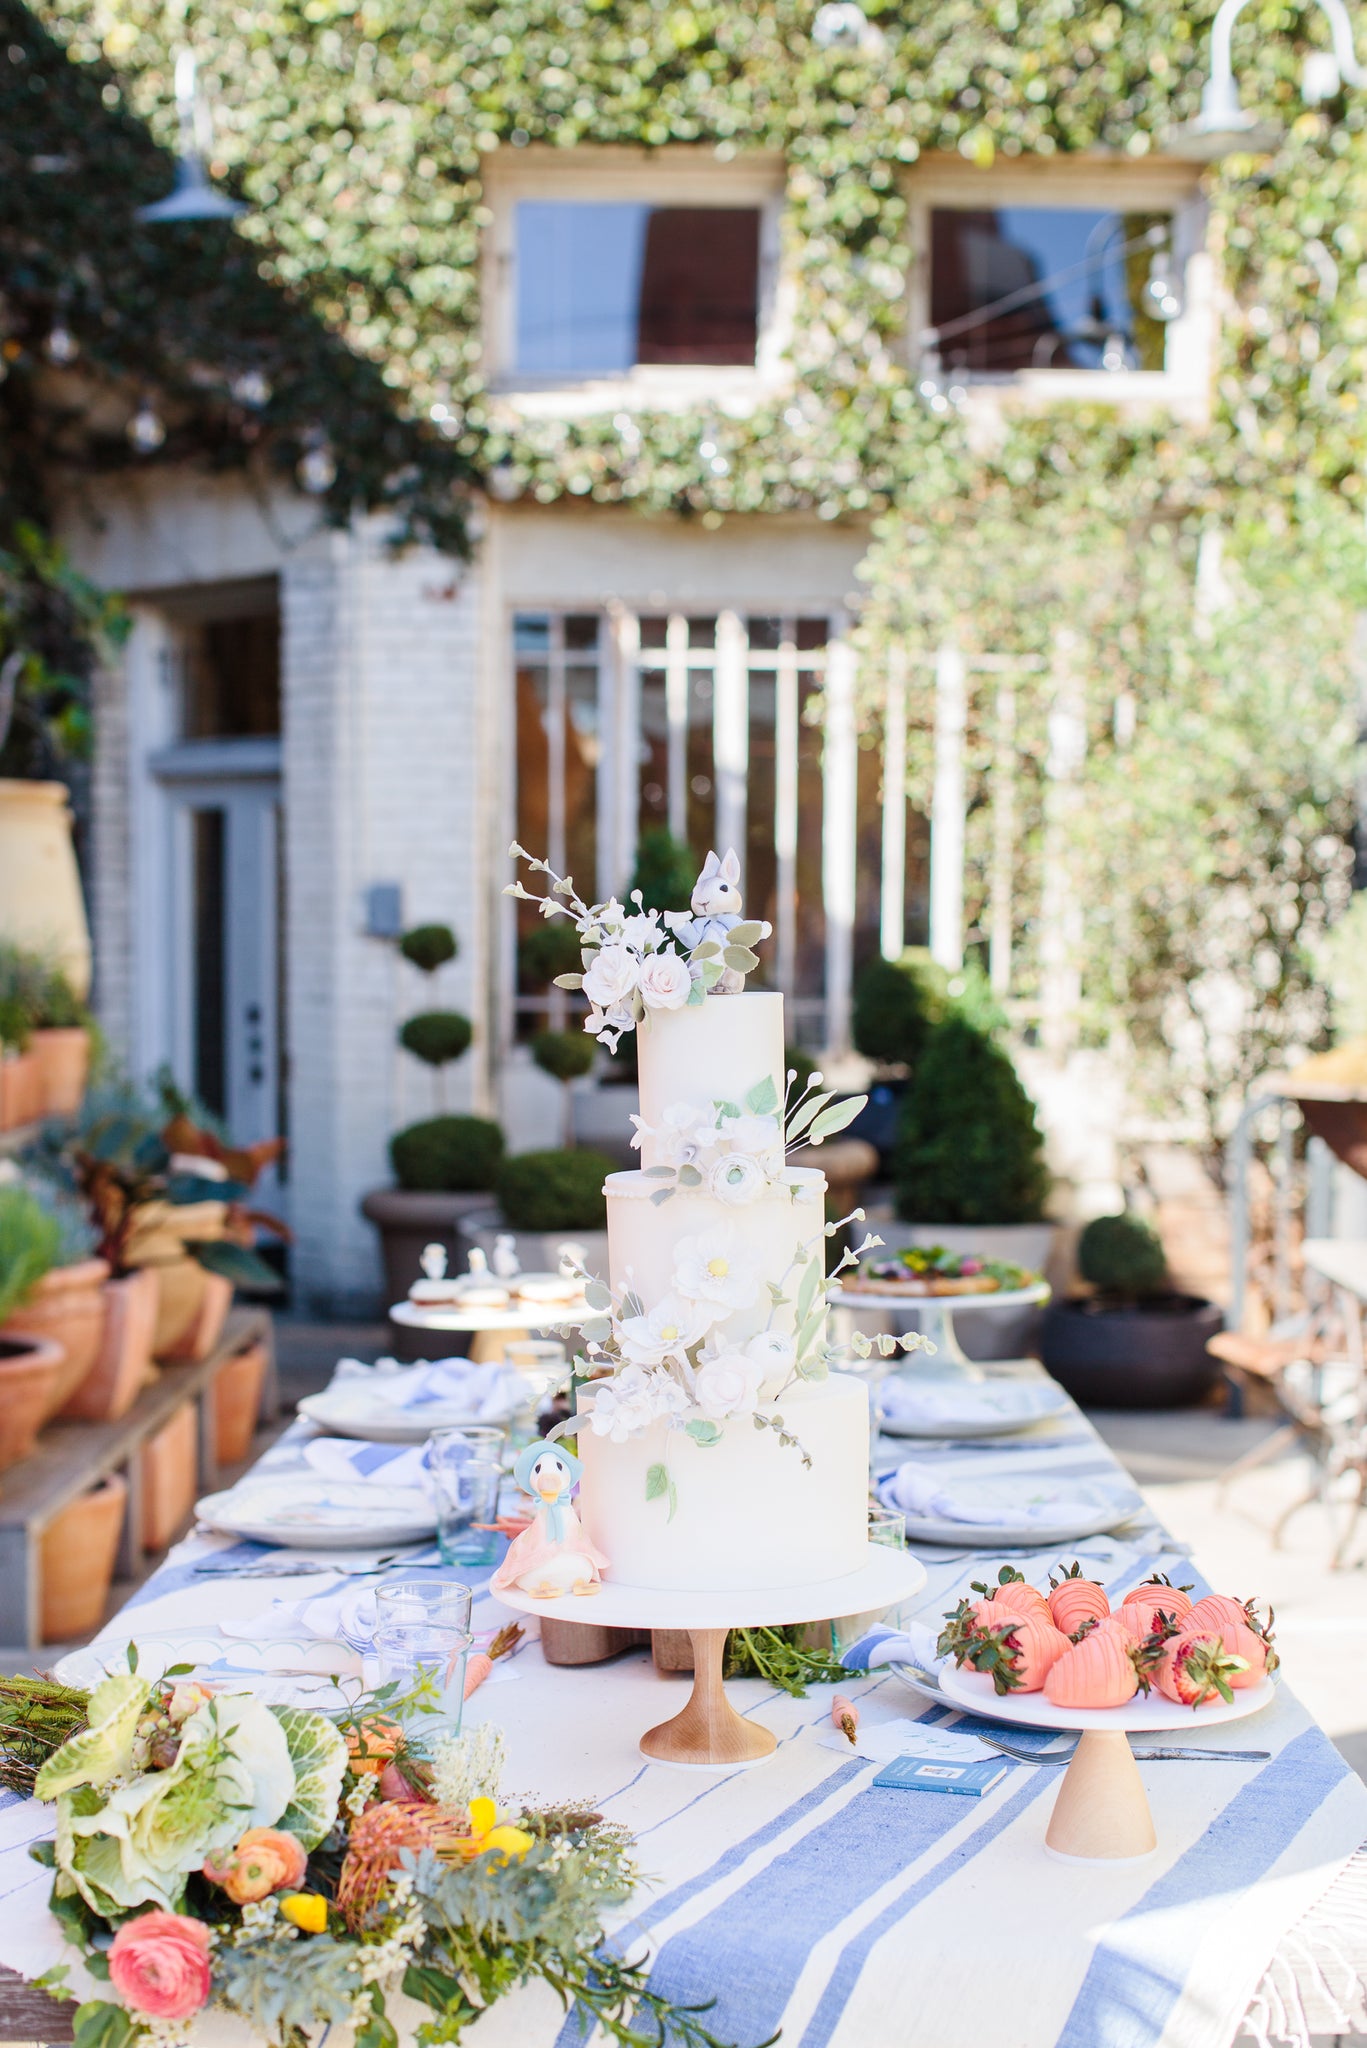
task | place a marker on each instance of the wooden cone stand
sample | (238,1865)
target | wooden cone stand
(1102,1811)
(708,1732)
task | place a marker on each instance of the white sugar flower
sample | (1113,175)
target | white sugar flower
(634,1398)
(736,1179)
(665,982)
(728,1384)
(760,1137)
(713,1268)
(643,931)
(666,1332)
(610,979)
(773,1351)
(675,1136)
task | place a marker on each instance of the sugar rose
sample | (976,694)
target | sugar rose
(159,1965)
(665,982)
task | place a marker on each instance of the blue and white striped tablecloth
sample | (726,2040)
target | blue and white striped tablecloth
(802,1898)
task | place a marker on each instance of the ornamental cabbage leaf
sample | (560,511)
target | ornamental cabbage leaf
(103,1750)
(318,1752)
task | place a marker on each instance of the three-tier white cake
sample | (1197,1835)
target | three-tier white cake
(720,1452)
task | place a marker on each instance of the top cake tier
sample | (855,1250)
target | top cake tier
(714,1051)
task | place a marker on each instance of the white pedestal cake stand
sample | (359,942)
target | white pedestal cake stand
(934,1313)
(709,1734)
(491,1328)
(1102,1812)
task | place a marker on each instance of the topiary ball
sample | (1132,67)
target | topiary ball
(437,1036)
(447,1155)
(564,1055)
(968,1148)
(552,947)
(554,1190)
(429,946)
(1123,1255)
(894,1012)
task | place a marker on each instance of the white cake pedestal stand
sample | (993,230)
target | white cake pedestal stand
(934,1314)
(1102,1811)
(491,1328)
(709,1734)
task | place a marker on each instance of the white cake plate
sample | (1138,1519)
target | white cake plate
(1102,1812)
(709,1734)
(518,1316)
(935,1314)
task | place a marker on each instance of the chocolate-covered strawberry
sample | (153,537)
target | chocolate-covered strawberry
(1195,1667)
(1018,1654)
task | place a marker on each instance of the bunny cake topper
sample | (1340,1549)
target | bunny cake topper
(637,960)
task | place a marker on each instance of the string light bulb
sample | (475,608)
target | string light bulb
(316,468)
(251,387)
(62,345)
(1162,295)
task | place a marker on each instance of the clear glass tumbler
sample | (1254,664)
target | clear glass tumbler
(466,1490)
(422,1637)
(542,1363)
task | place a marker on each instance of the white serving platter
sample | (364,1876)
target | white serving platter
(352,1410)
(304,1510)
(1098,1508)
(984,1408)
(1144,1714)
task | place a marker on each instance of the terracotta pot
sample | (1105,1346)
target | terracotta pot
(170,1478)
(77,1554)
(21,1090)
(41,906)
(67,1305)
(158,1242)
(123,1364)
(63,1055)
(213,1296)
(29,1366)
(237,1404)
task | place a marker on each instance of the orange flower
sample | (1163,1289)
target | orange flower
(372,1744)
(265,1860)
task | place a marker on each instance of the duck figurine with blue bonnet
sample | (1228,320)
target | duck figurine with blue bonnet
(554,1556)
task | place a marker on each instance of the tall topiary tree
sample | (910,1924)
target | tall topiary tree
(565,1056)
(665,871)
(968,1147)
(436,1037)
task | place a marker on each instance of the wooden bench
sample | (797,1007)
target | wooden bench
(71,1457)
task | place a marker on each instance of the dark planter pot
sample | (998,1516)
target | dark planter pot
(1149,1355)
(408,1222)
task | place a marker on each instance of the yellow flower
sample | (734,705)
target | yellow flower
(305,1910)
(488,1837)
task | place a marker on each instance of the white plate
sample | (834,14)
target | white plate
(210,1655)
(303,1510)
(1099,1507)
(974,1690)
(343,1412)
(987,1408)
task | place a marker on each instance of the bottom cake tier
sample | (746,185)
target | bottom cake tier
(747,1511)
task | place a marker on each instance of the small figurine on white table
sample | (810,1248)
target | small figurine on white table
(554,1556)
(505,1261)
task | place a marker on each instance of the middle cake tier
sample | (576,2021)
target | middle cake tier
(749,1251)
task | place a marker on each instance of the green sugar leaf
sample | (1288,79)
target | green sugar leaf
(763,1097)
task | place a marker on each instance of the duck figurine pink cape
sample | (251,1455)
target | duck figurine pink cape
(554,1556)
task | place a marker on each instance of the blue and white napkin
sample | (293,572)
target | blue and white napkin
(924,1493)
(487,1393)
(348,1457)
(914,1644)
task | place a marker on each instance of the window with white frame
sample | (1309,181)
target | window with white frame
(621,267)
(1074,275)
(718,726)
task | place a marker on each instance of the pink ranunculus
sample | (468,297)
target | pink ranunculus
(159,1965)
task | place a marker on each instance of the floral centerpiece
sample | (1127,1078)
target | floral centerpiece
(297,1869)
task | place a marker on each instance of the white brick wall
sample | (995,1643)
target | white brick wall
(381,784)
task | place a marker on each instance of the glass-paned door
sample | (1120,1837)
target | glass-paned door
(227,951)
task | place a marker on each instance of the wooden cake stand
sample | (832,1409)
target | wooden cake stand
(709,1734)
(1102,1811)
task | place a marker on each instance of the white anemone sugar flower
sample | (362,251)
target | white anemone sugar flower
(643,931)
(712,1267)
(773,1351)
(727,1384)
(666,1331)
(665,982)
(736,1178)
(610,978)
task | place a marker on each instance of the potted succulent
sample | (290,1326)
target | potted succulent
(546,1199)
(444,1164)
(61,1042)
(30,1366)
(1132,1341)
(67,1305)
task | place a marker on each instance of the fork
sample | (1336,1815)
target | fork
(1065,1756)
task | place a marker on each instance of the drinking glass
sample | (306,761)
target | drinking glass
(888,1526)
(478,1439)
(541,1362)
(422,1635)
(466,1490)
